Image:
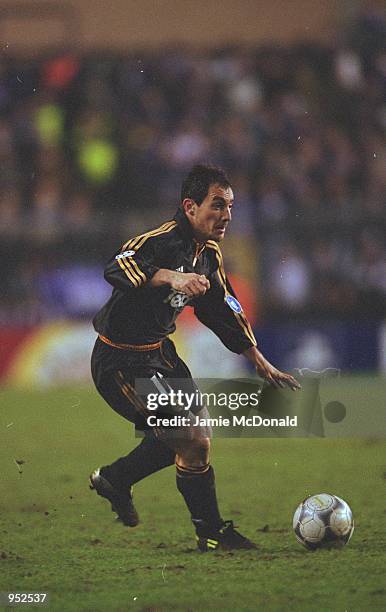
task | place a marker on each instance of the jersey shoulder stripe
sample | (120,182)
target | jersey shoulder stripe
(128,264)
(213,245)
(220,270)
(133,278)
(136,242)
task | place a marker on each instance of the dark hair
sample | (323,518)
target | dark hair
(199,179)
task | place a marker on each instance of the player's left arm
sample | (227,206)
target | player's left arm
(267,371)
(220,310)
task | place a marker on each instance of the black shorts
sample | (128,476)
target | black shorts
(125,378)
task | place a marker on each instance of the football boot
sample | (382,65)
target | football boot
(224,538)
(121,501)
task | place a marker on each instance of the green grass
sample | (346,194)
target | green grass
(57,536)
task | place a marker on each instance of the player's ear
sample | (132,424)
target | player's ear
(189,207)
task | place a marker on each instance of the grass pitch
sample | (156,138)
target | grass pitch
(56,536)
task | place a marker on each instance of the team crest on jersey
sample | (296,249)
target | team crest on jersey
(233,304)
(125,254)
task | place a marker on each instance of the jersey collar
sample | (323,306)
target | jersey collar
(187,233)
(184,226)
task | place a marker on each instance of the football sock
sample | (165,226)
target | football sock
(197,487)
(150,456)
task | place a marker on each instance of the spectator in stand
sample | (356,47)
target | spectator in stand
(304,125)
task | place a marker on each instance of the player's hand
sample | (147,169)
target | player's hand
(190,283)
(277,378)
(271,374)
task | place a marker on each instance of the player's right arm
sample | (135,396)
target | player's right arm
(132,268)
(191,284)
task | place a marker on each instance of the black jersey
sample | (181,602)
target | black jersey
(140,314)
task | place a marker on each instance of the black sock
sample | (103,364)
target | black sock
(149,456)
(197,487)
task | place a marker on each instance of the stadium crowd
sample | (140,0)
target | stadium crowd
(93,147)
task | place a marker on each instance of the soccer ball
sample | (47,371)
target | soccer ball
(323,521)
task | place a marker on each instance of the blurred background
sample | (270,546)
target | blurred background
(103,110)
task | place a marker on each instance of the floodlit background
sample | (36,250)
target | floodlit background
(104,107)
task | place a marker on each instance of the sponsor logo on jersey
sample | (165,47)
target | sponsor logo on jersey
(177,300)
(125,254)
(233,304)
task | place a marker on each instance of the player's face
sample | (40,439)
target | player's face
(210,219)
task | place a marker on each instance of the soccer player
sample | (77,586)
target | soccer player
(154,276)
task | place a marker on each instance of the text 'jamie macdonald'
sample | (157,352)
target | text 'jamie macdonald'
(244,421)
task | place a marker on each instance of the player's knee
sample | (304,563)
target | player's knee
(194,454)
(203,446)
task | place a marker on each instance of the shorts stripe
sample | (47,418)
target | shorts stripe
(130,393)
